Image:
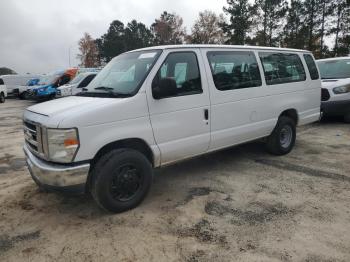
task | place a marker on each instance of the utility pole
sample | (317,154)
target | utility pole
(69,55)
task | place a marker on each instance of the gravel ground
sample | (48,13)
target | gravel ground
(240,204)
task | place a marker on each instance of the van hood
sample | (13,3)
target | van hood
(67,104)
(67,86)
(82,112)
(331,83)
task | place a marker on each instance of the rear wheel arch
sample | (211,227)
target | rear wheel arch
(292,114)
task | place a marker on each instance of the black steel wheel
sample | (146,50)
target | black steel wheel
(121,180)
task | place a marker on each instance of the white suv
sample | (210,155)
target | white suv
(335,75)
(155,106)
(3,91)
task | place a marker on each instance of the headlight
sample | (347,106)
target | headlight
(62,144)
(341,89)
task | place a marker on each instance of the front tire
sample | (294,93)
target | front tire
(121,180)
(282,139)
(2,98)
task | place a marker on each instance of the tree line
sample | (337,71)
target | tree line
(302,24)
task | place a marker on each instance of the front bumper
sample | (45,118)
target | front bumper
(335,108)
(57,177)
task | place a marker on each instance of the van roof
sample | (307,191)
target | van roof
(163,47)
(334,58)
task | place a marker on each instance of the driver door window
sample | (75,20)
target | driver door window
(183,68)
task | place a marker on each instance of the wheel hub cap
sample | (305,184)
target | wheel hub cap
(286,136)
(126,183)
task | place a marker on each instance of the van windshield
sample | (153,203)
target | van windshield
(334,69)
(77,79)
(124,75)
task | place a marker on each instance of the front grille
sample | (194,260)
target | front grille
(33,137)
(325,94)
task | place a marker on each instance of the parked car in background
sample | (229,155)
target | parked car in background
(156,106)
(21,90)
(13,82)
(335,74)
(3,91)
(76,85)
(47,86)
(33,82)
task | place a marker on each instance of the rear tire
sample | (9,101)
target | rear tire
(2,98)
(347,118)
(282,139)
(23,96)
(121,180)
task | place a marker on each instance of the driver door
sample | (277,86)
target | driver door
(180,122)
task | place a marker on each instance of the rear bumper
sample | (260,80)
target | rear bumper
(70,178)
(335,108)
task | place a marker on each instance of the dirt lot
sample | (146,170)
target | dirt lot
(240,204)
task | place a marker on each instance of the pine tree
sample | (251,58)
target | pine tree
(341,27)
(241,15)
(270,15)
(312,22)
(326,11)
(294,33)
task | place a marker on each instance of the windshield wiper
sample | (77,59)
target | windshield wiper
(104,88)
(109,90)
(103,94)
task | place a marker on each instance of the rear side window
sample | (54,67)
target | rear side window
(1,82)
(280,68)
(234,70)
(183,68)
(311,65)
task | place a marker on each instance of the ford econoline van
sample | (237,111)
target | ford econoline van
(156,106)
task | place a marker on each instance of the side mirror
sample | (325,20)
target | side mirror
(165,87)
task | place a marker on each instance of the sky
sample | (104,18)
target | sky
(40,36)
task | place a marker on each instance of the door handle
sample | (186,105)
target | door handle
(206,114)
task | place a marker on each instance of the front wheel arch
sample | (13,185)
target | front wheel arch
(131,143)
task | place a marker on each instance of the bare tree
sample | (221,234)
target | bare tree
(88,52)
(207,30)
(169,29)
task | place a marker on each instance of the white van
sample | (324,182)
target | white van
(335,75)
(76,85)
(3,91)
(13,82)
(156,106)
